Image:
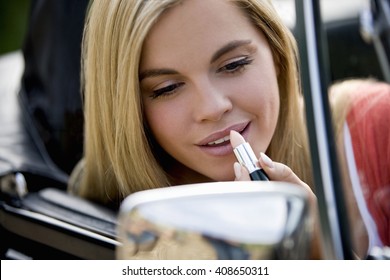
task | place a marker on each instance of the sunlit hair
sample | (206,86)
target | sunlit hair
(119,159)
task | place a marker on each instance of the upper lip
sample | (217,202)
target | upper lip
(222,133)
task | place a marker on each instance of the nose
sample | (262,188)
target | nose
(211,102)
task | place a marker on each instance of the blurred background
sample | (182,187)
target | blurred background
(13,24)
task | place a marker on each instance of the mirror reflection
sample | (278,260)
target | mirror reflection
(226,220)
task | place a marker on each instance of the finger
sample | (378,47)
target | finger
(240,172)
(277,171)
(237,170)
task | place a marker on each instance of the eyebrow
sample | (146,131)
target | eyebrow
(229,47)
(166,71)
(156,72)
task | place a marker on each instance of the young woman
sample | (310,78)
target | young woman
(165,82)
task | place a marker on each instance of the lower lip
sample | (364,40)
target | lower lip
(223,150)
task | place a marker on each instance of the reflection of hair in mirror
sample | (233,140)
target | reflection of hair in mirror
(361,117)
(119,157)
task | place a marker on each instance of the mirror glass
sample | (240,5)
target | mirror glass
(222,220)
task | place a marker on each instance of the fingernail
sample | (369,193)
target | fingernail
(266,160)
(237,170)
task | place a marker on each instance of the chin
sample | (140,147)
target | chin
(223,177)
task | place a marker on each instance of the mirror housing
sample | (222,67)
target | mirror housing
(221,220)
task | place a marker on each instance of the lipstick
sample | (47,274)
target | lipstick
(246,157)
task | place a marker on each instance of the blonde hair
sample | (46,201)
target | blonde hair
(119,158)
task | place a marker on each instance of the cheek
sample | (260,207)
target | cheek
(165,123)
(158,122)
(260,96)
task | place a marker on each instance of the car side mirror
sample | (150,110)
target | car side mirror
(221,220)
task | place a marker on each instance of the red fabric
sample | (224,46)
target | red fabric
(369,123)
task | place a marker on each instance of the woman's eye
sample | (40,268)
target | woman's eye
(235,66)
(166,91)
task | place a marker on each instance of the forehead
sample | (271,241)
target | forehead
(195,25)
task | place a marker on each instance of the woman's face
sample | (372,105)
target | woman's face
(206,70)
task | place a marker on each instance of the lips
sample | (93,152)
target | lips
(218,136)
(218,144)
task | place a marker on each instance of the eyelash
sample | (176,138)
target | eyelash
(166,91)
(230,68)
(235,66)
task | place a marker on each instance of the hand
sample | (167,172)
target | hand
(276,171)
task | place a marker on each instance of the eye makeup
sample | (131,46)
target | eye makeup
(235,65)
(166,90)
